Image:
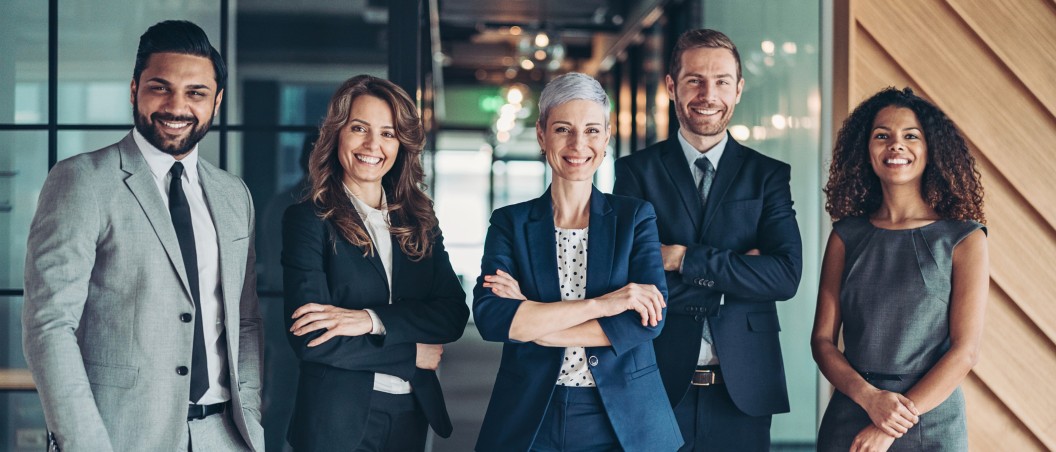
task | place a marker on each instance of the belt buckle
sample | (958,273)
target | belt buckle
(703,377)
(199,412)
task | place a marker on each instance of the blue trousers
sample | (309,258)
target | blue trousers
(711,422)
(575,421)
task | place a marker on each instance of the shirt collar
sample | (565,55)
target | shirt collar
(160,163)
(713,154)
(364,209)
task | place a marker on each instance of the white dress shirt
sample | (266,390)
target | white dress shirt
(205,245)
(377,223)
(707,356)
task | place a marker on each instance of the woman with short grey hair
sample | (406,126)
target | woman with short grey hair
(573,284)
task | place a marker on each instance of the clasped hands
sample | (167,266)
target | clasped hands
(351,322)
(893,414)
(645,299)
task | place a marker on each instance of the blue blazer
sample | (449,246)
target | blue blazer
(623,248)
(749,207)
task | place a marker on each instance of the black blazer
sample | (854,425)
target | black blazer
(337,377)
(749,207)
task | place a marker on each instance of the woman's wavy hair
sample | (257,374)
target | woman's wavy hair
(411,217)
(950,184)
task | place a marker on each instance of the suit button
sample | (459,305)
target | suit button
(699,318)
(593,361)
(711,283)
(182,370)
(186,318)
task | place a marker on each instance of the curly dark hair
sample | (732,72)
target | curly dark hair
(413,221)
(950,182)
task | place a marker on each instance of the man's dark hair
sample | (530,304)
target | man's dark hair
(178,36)
(703,37)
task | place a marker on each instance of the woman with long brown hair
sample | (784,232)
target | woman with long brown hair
(905,276)
(370,292)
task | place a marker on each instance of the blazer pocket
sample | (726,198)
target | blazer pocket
(642,372)
(763,322)
(111,375)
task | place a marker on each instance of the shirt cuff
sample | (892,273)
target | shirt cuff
(376,327)
(682,264)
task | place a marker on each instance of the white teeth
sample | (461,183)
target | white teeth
(897,161)
(175,125)
(576,161)
(368,160)
(707,112)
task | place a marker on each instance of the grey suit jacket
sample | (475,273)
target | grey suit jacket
(105,286)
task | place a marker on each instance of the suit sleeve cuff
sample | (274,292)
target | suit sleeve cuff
(376,327)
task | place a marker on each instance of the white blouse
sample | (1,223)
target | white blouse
(572,271)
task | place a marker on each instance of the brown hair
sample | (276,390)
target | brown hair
(950,182)
(703,37)
(412,220)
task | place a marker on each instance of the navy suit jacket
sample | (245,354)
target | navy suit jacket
(749,207)
(337,377)
(622,248)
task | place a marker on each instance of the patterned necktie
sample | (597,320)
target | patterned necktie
(181,222)
(704,163)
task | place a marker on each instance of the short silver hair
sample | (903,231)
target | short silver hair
(569,87)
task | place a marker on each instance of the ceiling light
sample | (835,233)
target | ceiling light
(542,40)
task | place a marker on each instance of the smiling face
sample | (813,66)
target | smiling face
(367,144)
(898,151)
(174,101)
(574,139)
(705,93)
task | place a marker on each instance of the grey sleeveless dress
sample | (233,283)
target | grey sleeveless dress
(894,303)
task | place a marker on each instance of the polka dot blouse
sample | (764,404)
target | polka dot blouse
(572,271)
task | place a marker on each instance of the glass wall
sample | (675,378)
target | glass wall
(780,116)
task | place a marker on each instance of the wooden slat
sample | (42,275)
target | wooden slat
(875,70)
(991,426)
(1017,363)
(1020,240)
(995,110)
(1022,34)
(16,380)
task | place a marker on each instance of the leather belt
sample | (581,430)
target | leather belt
(195,412)
(707,377)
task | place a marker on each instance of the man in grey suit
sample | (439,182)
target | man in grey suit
(140,322)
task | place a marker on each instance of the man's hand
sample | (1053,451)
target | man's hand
(673,255)
(428,356)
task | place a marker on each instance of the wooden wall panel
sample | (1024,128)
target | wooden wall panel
(941,53)
(1003,431)
(988,65)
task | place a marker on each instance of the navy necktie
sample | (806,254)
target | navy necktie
(704,163)
(708,170)
(180,211)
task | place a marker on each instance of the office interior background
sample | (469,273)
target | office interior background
(476,67)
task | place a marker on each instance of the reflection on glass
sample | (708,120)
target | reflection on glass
(96,62)
(778,115)
(24,65)
(21,415)
(23,166)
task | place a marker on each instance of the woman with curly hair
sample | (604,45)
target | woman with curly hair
(370,293)
(905,275)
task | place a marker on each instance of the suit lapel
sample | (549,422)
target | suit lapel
(601,241)
(398,259)
(729,166)
(140,182)
(542,250)
(674,161)
(226,222)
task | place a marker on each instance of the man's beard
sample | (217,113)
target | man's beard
(698,128)
(148,128)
